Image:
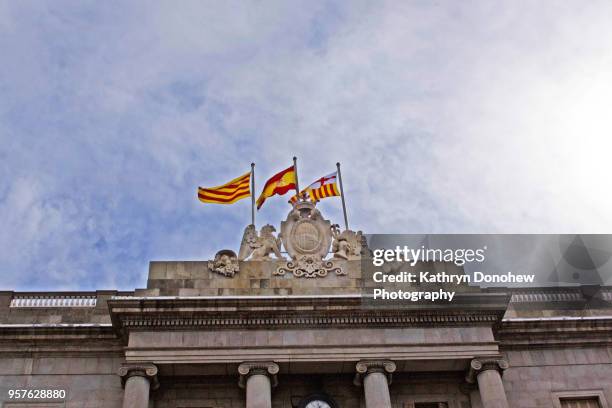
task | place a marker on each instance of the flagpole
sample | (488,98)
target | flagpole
(297,184)
(342,196)
(253,194)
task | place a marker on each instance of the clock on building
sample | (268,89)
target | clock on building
(318,401)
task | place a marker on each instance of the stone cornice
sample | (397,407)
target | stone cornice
(59,339)
(484,298)
(299,311)
(316,319)
(552,332)
(570,295)
(54,332)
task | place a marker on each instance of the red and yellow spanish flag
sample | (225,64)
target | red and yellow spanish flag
(228,193)
(324,187)
(279,184)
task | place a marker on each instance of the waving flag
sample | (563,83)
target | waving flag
(324,187)
(228,193)
(279,184)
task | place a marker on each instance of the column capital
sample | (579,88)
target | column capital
(249,368)
(147,370)
(365,367)
(481,364)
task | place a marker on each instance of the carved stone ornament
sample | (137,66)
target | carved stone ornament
(225,263)
(365,367)
(268,368)
(307,236)
(147,370)
(479,365)
(309,266)
(305,232)
(347,244)
(259,247)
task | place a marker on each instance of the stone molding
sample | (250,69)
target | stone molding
(309,266)
(479,365)
(365,367)
(555,332)
(275,312)
(361,318)
(532,296)
(147,370)
(249,368)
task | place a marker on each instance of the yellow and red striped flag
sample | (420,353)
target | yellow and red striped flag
(324,187)
(228,193)
(279,184)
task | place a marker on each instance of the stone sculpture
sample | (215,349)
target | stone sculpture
(307,237)
(225,263)
(347,244)
(259,247)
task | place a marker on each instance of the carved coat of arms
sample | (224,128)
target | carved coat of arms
(307,237)
(305,232)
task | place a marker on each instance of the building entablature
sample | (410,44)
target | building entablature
(286,312)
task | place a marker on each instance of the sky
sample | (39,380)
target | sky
(447,117)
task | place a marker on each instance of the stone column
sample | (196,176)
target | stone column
(258,377)
(486,372)
(375,375)
(137,380)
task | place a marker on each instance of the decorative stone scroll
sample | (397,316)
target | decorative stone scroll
(479,365)
(147,370)
(225,263)
(267,368)
(366,367)
(308,266)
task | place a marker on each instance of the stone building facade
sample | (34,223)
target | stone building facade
(252,330)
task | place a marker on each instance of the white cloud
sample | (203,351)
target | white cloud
(479,117)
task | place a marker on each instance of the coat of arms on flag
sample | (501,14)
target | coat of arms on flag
(323,187)
(279,184)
